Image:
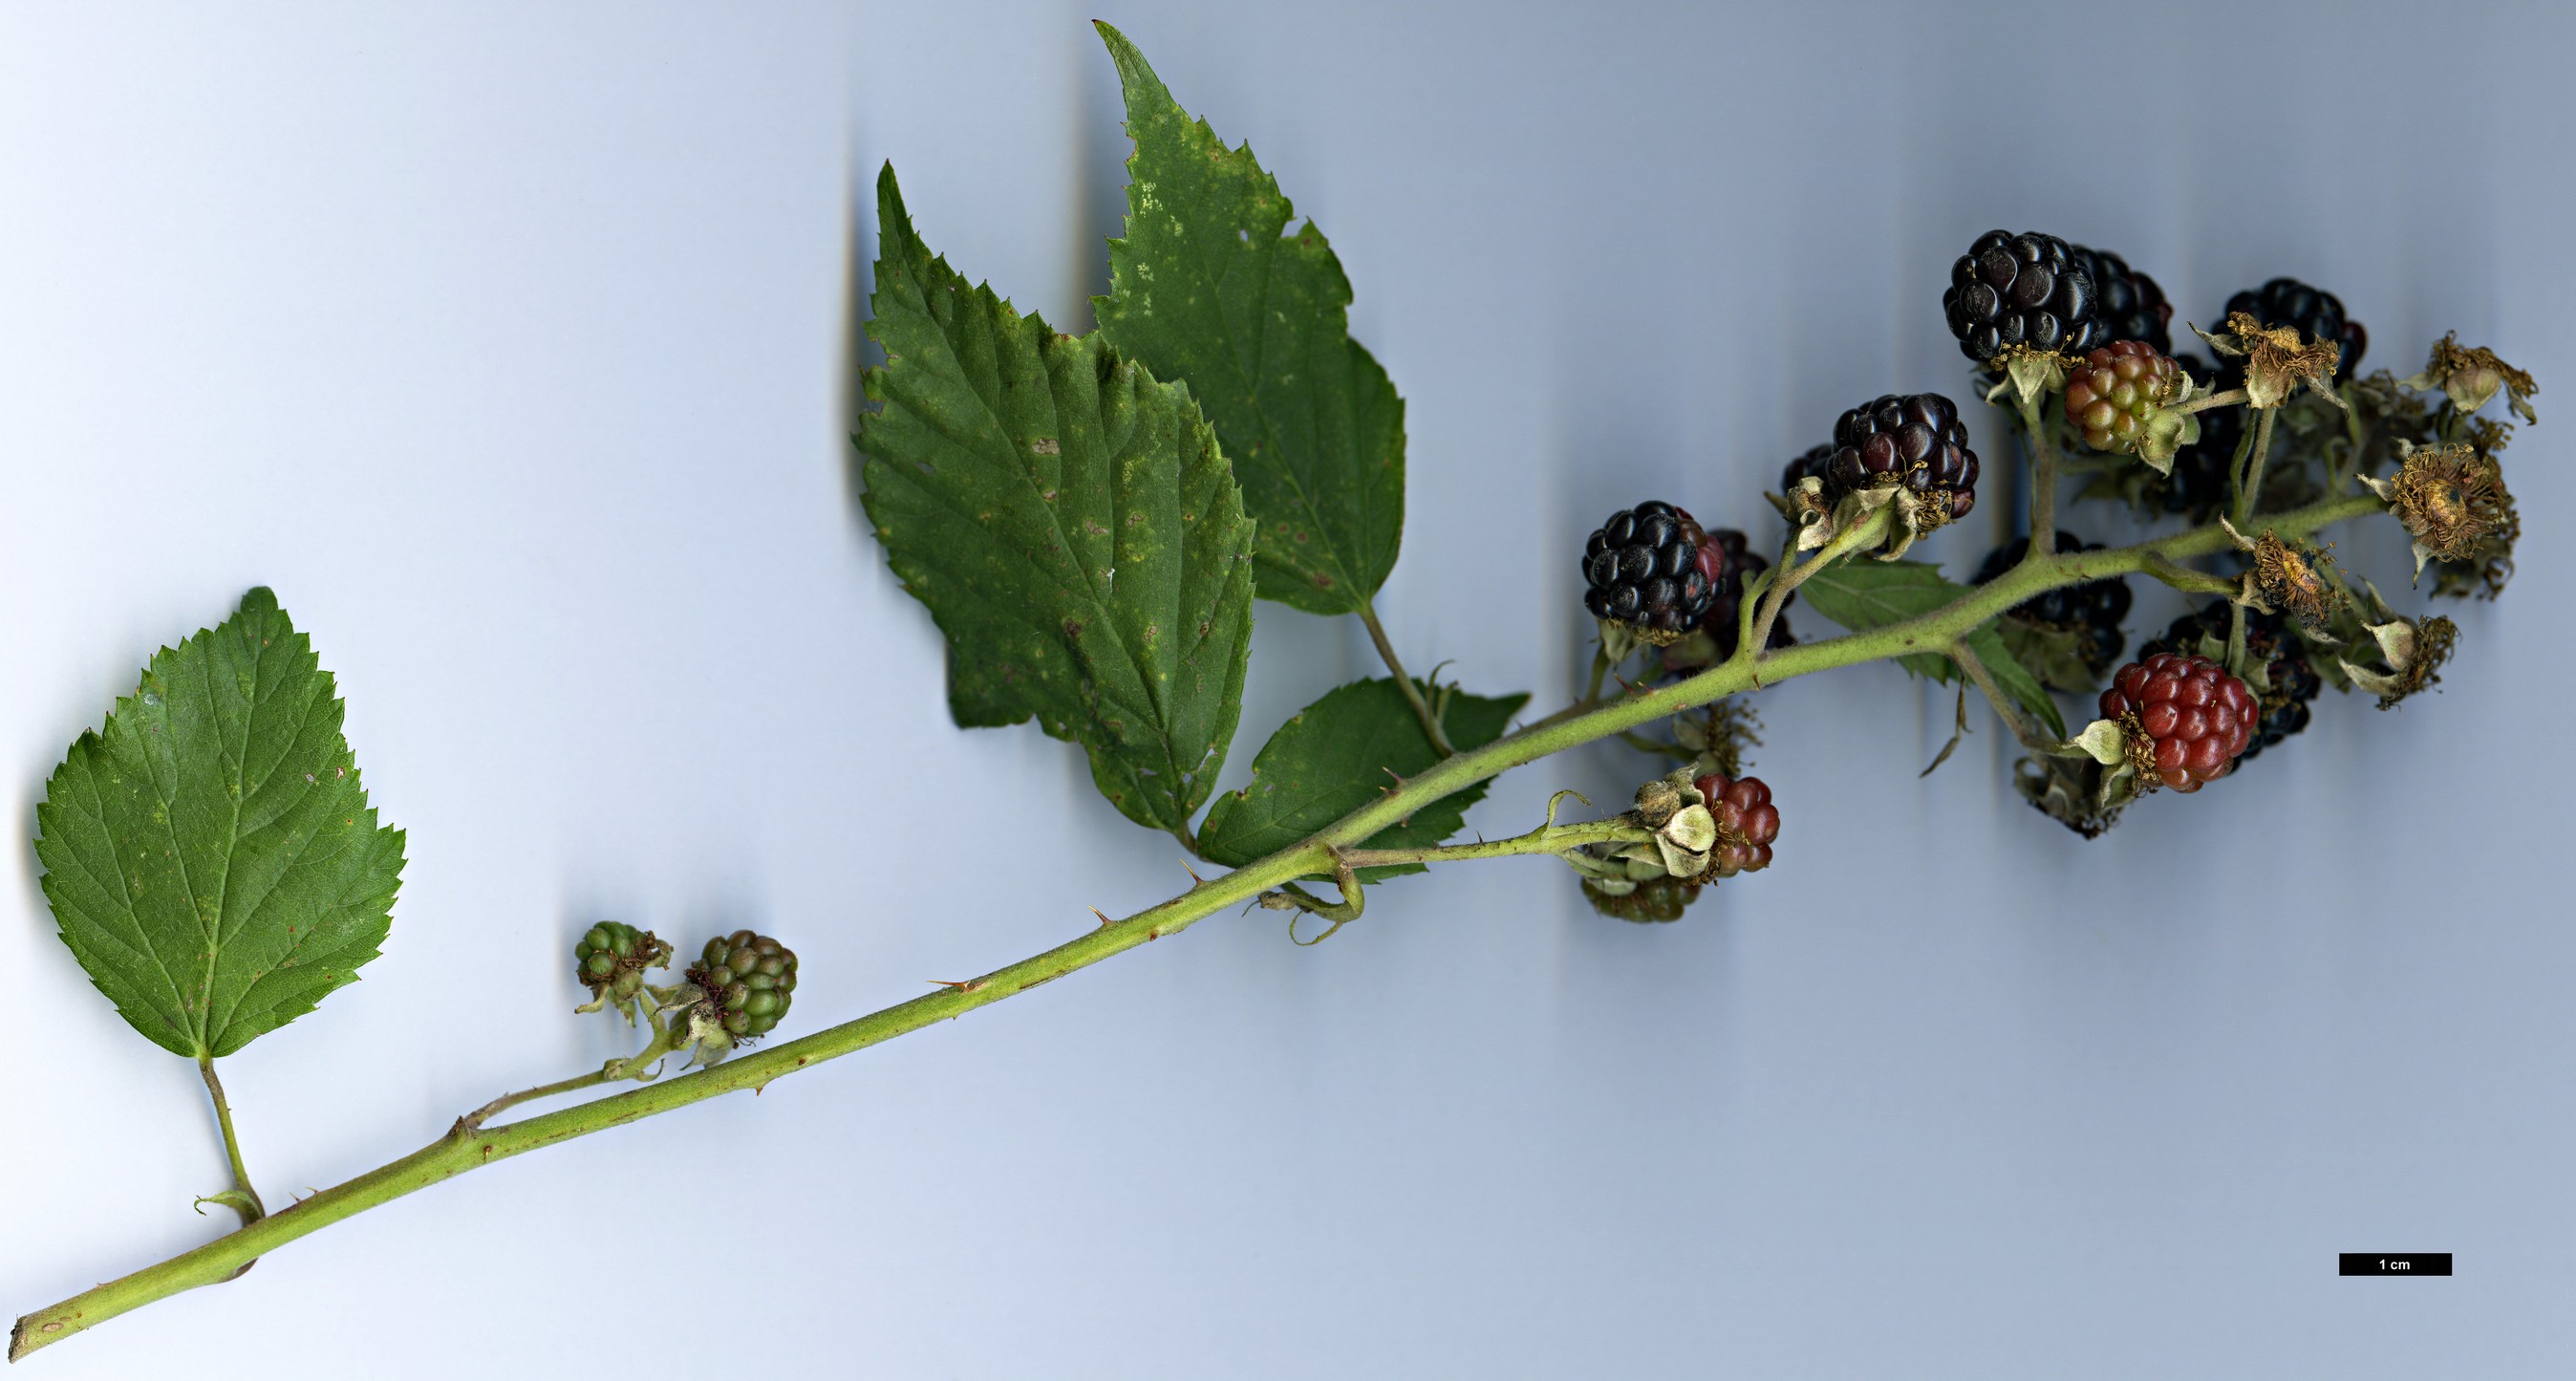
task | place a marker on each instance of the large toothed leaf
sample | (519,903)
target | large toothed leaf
(210,855)
(1208,288)
(1335,756)
(1070,522)
(1862,595)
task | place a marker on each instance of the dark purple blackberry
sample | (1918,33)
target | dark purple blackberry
(2026,289)
(2294,681)
(2198,484)
(1812,463)
(1912,439)
(2093,611)
(2316,313)
(1643,569)
(2130,304)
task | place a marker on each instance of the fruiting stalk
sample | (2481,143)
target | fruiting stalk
(468,1146)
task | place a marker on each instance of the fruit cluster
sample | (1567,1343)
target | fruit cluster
(2110,393)
(2268,641)
(1747,823)
(2022,290)
(2186,718)
(1646,569)
(747,981)
(1916,440)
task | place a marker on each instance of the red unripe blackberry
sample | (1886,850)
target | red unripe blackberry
(1645,568)
(2267,639)
(1916,440)
(2110,394)
(2193,717)
(2027,289)
(2315,313)
(2130,304)
(1747,823)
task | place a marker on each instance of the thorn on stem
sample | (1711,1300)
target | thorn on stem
(1104,917)
(966,986)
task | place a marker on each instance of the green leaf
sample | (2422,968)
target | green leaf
(1208,288)
(1070,523)
(210,855)
(1335,756)
(1864,595)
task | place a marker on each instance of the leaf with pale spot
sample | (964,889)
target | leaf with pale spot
(209,854)
(1070,523)
(1208,287)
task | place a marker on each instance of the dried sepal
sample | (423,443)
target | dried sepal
(2069,791)
(2291,577)
(2452,501)
(2471,376)
(2027,372)
(2413,652)
(2276,359)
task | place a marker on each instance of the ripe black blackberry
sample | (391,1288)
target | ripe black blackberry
(2093,611)
(2130,304)
(1643,569)
(1916,440)
(2027,289)
(2314,312)
(2294,682)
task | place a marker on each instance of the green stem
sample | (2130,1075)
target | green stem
(2215,400)
(248,1204)
(1546,839)
(2043,482)
(1431,727)
(2187,580)
(466,1147)
(1600,669)
(2250,484)
(1975,668)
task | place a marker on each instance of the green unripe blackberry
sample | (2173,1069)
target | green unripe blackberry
(748,980)
(610,959)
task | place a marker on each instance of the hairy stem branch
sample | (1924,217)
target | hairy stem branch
(467,1147)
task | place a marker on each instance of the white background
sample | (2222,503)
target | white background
(513,346)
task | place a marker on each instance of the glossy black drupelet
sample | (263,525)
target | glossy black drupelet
(2093,610)
(2026,289)
(2314,312)
(2294,682)
(1812,463)
(2129,303)
(1643,568)
(1916,440)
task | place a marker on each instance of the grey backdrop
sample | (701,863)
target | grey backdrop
(512,345)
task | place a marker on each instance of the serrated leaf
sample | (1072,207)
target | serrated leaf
(1335,756)
(209,854)
(1208,288)
(1069,521)
(1864,595)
